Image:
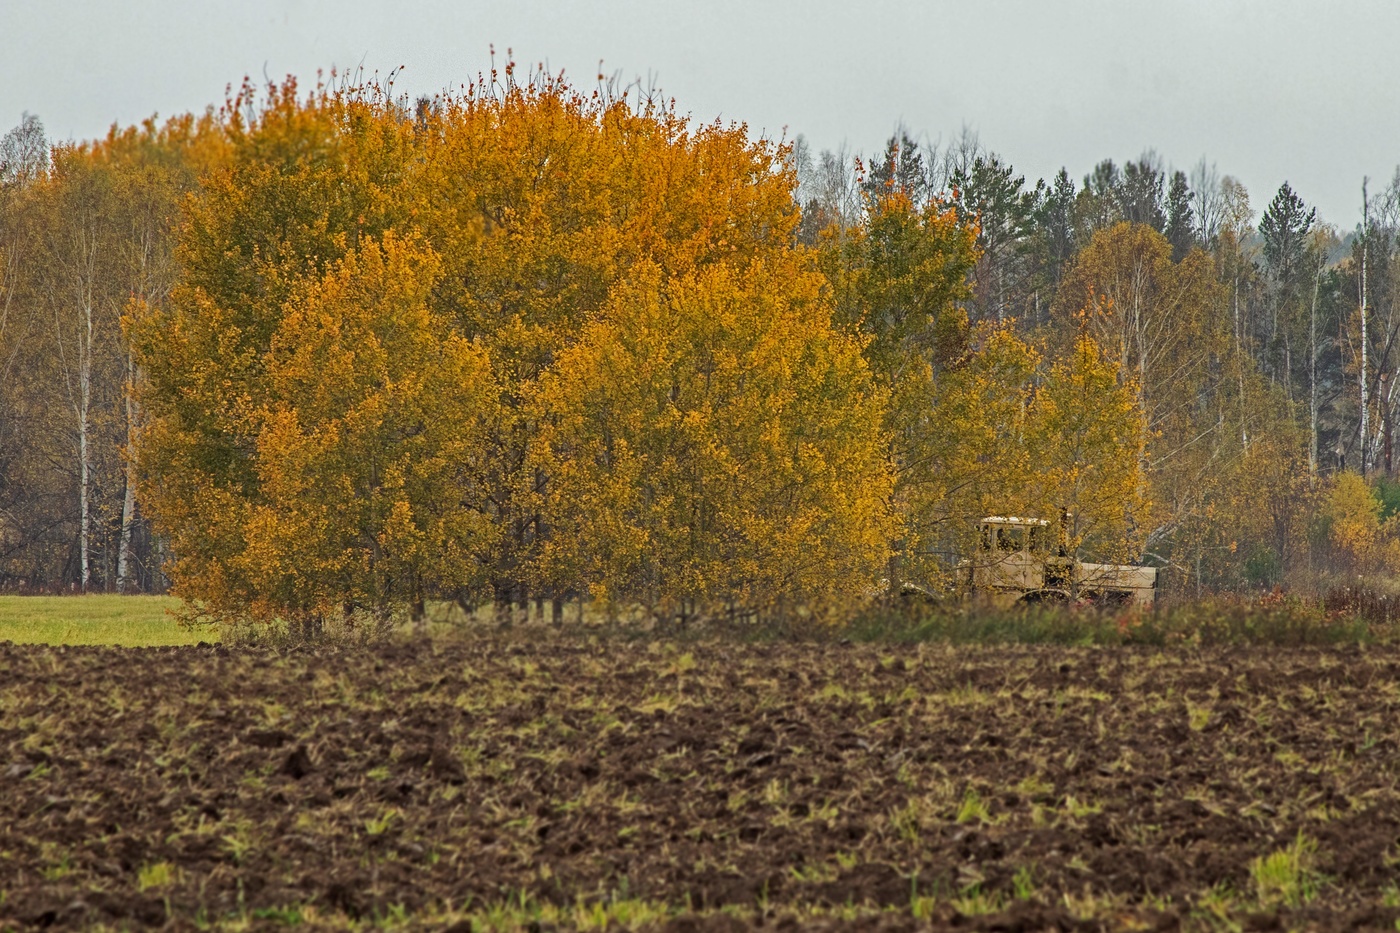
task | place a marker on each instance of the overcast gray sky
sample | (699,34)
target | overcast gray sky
(1269,91)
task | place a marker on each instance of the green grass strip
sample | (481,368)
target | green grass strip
(106,619)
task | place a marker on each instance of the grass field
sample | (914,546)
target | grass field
(105,619)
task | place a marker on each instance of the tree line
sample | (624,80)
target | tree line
(336,353)
(1262,345)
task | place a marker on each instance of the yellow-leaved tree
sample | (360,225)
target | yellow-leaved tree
(897,281)
(366,435)
(1162,322)
(714,444)
(295,187)
(540,199)
(1362,542)
(1089,453)
(1011,432)
(969,455)
(309,452)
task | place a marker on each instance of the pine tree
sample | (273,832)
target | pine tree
(992,197)
(1284,228)
(1181,220)
(1140,193)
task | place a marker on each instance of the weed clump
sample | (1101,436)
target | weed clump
(1286,877)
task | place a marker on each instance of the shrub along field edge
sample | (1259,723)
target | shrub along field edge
(1342,617)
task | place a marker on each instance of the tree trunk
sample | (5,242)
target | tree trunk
(892,571)
(129,496)
(1365,421)
(1385,423)
(1239,369)
(1312,376)
(83,411)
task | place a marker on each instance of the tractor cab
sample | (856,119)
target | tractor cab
(1001,535)
(1020,559)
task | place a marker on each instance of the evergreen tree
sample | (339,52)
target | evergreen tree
(1284,228)
(900,169)
(1181,220)
(992,196)
(1097,205)
(1140,193)
(1055,218)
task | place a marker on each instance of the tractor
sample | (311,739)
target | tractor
(1025,560)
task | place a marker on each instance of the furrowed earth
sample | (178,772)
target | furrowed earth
(500,784)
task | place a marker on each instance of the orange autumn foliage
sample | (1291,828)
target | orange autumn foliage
(712,441)
(349,397)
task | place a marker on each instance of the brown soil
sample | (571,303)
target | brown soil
(1009,788)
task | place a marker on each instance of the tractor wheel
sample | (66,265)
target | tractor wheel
(1045,598)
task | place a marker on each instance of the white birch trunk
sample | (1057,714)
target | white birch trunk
(129,498)
(77,369)
(84,457)
(1365,402)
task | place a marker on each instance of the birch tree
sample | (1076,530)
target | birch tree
(24,152)
(1207,202)
(1159,321)
(154,167)
(80,279)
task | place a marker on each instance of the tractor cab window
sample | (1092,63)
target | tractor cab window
(988,536)
(1040,539)
(1011,538)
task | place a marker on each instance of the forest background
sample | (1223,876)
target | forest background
(329,352)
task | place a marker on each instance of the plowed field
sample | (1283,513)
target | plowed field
(710,786)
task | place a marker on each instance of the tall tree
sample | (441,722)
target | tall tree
(992,197)
(1284,229)
(302,187)
(1140,192)
(99,230)
(1206,201)
(898,283)
(900,168)
(1089,452)
(1181,230)
(1236,253)
(1056,220)
(24,152)
(1098,204)
(1321,245)
(80,285)
(1158,321)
